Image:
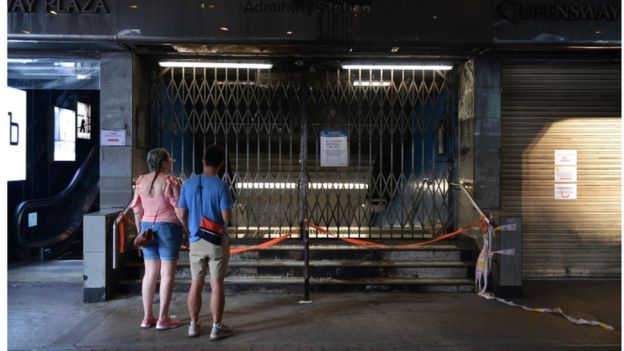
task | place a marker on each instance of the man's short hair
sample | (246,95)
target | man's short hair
(214,156)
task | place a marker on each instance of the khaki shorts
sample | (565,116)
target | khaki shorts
(205,256)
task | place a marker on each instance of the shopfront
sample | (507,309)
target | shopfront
(295,92)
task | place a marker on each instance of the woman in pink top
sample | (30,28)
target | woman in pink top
(154,203)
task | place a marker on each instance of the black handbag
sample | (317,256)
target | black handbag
(148,236)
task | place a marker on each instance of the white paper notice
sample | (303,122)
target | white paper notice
(113,137)
(334,148)
(565,174)
(565,157)
(565,191)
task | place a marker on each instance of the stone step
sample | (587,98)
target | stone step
(338,269)
(330,263)
(295,284)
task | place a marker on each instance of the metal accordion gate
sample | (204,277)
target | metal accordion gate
(395,129)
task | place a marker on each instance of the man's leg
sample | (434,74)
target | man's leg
(217,300)
(195,299)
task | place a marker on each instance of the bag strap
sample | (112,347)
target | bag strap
(201,199)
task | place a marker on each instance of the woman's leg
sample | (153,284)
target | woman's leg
(152,268)
(167,276)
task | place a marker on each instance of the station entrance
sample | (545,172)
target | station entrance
(373,147)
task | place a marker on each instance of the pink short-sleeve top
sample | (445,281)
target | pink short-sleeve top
(157,208)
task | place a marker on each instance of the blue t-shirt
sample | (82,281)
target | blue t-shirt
(216,198)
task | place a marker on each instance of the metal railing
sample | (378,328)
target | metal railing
(116,223)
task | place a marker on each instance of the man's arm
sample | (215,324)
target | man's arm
(227,216)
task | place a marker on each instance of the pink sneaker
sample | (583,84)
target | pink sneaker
(168,324)
(148,322)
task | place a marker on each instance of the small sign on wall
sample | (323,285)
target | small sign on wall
(32,219)
(113,137)
(334,148)
(565,191)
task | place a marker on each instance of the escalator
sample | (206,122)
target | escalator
(57,221)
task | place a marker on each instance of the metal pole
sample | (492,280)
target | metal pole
(303,182)
(114,244)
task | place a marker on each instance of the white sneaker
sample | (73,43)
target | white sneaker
(220,333)
(193,330)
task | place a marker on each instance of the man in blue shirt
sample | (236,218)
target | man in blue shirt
(207,195)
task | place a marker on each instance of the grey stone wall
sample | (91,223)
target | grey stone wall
(141,91)
(487,132)
(479,137)
(116,112)
(465,114)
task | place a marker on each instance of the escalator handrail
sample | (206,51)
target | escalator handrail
(52,200)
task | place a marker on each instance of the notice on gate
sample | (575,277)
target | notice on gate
(565,191)
(334,148)
(565,157)
(565,174)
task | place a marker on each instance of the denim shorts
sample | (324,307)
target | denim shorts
(167,243)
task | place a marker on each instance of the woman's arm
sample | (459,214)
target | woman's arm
(137,205)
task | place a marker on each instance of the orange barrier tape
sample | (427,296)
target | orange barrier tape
(368,243)
(122,237)
(263,245)
(359,242)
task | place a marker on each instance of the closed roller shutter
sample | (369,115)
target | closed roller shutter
(547,107)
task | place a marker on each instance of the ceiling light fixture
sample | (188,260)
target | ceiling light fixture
(398,67)
(225,29)
(20,60)
(207,64)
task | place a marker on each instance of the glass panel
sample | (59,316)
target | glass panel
(54,73)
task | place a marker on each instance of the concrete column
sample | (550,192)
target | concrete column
(487,133)
(116,113)
(465,115)
(479,120)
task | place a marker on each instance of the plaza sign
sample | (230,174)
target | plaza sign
(55,7)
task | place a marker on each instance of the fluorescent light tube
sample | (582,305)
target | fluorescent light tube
(398,67)
(366,83)
(207,64)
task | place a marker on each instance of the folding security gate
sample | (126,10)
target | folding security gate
(399,128)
